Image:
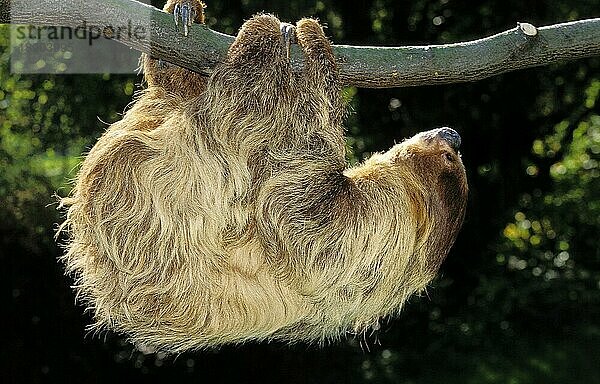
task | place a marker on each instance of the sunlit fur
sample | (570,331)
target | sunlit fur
(221,211)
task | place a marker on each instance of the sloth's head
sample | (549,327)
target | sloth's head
(430,168)
(434,157)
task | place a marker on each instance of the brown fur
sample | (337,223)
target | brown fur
(221,211)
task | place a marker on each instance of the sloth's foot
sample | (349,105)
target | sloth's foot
(186,12)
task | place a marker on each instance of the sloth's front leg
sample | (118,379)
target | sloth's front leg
(169,77)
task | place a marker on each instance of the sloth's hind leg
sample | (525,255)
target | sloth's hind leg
(320,72)
(250,95)
(320,96)
(257,62)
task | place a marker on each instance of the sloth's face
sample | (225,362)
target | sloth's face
(435,160)
(435,178)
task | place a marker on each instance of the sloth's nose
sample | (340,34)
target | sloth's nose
(450,136)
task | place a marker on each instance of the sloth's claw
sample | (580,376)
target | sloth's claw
(177,13)
(288,36)
(184,12)
(288,33)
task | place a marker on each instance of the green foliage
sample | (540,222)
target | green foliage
(46,123)
(530,360)
(553,242)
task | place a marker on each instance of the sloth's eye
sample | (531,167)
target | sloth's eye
(448,157)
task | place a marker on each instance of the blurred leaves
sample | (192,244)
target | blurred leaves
(46,122)
(553,241)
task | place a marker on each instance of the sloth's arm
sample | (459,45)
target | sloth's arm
(177,81)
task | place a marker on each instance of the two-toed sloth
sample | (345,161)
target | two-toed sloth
(220,210)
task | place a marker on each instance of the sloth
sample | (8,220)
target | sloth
(221,210)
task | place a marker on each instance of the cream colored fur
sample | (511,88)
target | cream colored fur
(220,212)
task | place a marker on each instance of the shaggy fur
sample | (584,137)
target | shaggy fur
(220,211)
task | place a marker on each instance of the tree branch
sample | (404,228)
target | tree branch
(372,67)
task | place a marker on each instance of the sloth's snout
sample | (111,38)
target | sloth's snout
(445,134)
(450,136)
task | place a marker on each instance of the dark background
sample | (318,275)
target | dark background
(517,301)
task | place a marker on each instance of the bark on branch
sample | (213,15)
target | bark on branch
(524,46)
